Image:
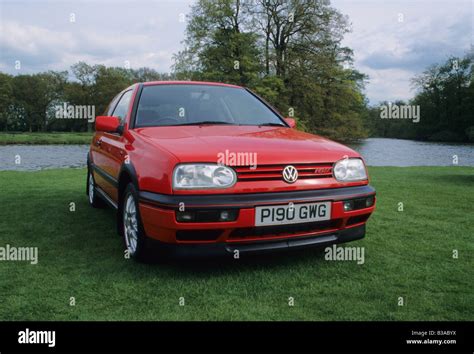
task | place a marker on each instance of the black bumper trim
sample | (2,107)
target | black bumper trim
(229,249)
(254,199)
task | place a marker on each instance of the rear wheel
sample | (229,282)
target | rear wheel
(135,240)
(94,200)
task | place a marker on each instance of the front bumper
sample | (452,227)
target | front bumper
(231,249)
(158,213)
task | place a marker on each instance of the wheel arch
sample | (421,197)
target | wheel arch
(127,175)
(88,171)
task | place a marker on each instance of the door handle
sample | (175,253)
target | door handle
(98,142)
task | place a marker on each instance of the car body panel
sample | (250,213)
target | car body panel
(270,144)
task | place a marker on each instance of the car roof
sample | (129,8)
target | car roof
(151,83)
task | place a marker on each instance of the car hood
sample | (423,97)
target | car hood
(272,145)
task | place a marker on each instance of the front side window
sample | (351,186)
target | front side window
(111,106)
(182,104)
(122,107)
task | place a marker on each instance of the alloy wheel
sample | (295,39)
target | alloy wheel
(130,224)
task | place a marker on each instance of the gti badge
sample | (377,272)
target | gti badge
(290,174)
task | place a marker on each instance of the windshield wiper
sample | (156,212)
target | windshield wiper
(207,122)
(271,125)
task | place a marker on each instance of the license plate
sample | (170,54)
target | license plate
(292,214)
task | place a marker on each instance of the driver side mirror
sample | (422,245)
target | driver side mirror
(291,122)
(108,124)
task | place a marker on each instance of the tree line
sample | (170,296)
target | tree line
(28,102)
(445,99)
(288,51)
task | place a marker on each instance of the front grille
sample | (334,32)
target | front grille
(274,172)
(285,230)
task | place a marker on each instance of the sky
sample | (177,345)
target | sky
(392,40)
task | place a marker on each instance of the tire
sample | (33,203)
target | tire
(94,200)
(133,234)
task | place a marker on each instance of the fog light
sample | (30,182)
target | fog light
(228,215)
(185,216)
(207,215)
(348,205)
(369,201)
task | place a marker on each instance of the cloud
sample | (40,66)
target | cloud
(416,47)
(42,49)
(394,41)
(140,33)
(32,45)
(148,33)
(388,84)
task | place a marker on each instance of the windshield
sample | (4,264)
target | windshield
(181,104)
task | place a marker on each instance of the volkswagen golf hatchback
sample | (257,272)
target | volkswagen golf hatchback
(203,169)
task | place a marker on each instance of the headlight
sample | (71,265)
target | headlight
(348,170)
(203,176)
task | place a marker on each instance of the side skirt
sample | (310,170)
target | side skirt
(106,198)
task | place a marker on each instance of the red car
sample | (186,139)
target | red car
(200,168)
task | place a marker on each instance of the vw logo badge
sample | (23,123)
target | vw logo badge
(290,174)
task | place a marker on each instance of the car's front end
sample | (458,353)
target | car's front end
(294,190)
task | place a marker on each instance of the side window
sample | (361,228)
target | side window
(111,105)
(122,107)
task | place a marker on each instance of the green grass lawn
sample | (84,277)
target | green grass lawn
(408,254)
(45,138)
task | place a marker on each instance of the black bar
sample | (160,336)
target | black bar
(240,336)
(253,199)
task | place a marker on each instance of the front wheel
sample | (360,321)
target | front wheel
(135,240)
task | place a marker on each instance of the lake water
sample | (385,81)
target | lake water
(377,152)
(37,157)
(398,152)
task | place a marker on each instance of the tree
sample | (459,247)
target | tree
(216,48)
(298,66)
(6,99)
(108,83)
(27,96)
(147,74)
(52,85)
(446,100)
